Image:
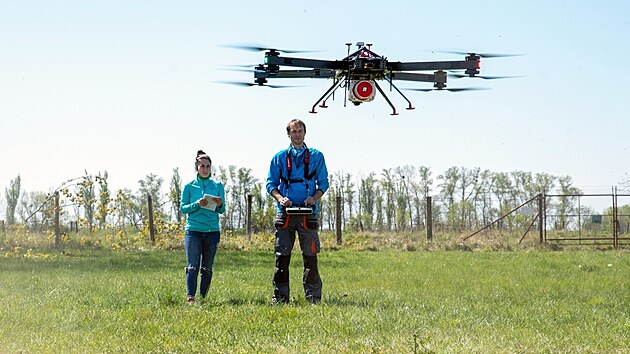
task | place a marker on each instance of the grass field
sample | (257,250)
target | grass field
(387,301)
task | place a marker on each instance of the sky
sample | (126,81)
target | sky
(130,87)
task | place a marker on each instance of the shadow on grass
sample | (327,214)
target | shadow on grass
(336,301)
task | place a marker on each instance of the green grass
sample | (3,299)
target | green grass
(389,301)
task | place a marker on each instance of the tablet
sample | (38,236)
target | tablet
(299,210)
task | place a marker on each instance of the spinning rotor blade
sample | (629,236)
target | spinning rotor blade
(248,84)
(255,48)
(242,68)
(461,76)
(448,89)
(484,55)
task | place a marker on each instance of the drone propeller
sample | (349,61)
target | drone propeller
(484,55)
(248,84)
(448,89)
(256,48)
(242,68)
(461,76)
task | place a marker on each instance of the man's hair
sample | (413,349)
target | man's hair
(295,121)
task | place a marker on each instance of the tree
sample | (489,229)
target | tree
(483,196)
(150,186)
(243,187)
(566,205)
(175,194)
(263,209)
(86,197)
(349,193)
(367,199)
(467,185)
(450,179)
(387,186)
(544,182)
(12,195)
(36,204)
(501,187)
(128,211)
(104,200)
(625,182)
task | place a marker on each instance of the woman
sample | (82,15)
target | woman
(202,202)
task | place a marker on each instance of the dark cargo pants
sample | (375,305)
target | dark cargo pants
(306,228)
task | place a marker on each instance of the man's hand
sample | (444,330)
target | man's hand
(285,202)
(313,199)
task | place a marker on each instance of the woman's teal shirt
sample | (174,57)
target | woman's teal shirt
(200,219)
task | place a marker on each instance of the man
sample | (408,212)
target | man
(297,178)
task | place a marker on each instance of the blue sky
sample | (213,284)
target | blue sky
(129,88)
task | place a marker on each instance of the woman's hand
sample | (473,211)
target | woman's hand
(202,202)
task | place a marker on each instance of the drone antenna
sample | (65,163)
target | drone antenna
(369,45)
(348,44)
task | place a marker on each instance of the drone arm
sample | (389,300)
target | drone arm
(415,77)
(314,74)
(434,65)
(302,62)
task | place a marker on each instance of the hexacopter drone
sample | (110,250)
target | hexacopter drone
(360,71)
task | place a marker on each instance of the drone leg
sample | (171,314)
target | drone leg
(332,94)
(403,96)
(331,89)
(386,99)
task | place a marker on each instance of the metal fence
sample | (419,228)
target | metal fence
(569,219)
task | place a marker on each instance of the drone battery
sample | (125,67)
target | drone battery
(299,210)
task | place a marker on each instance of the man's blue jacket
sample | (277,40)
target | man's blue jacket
(292,182)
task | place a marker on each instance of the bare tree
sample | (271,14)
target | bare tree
(450,179)
(367,200)
(625,182)
(387,186)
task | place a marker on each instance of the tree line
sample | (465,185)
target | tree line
(394,199)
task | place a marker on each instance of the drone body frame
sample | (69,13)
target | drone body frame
(360,71)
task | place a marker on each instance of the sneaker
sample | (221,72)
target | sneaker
(190,300)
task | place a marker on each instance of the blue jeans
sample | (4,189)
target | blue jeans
(201,247)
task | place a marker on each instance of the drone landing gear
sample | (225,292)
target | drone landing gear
(386,98)
(330,90)
(410,107)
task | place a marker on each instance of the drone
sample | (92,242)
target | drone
(359,72)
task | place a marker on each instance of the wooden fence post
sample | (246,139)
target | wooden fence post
(338,221)
(429,218)
(541,216)
(249,217)
(151,228)
(57,228)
